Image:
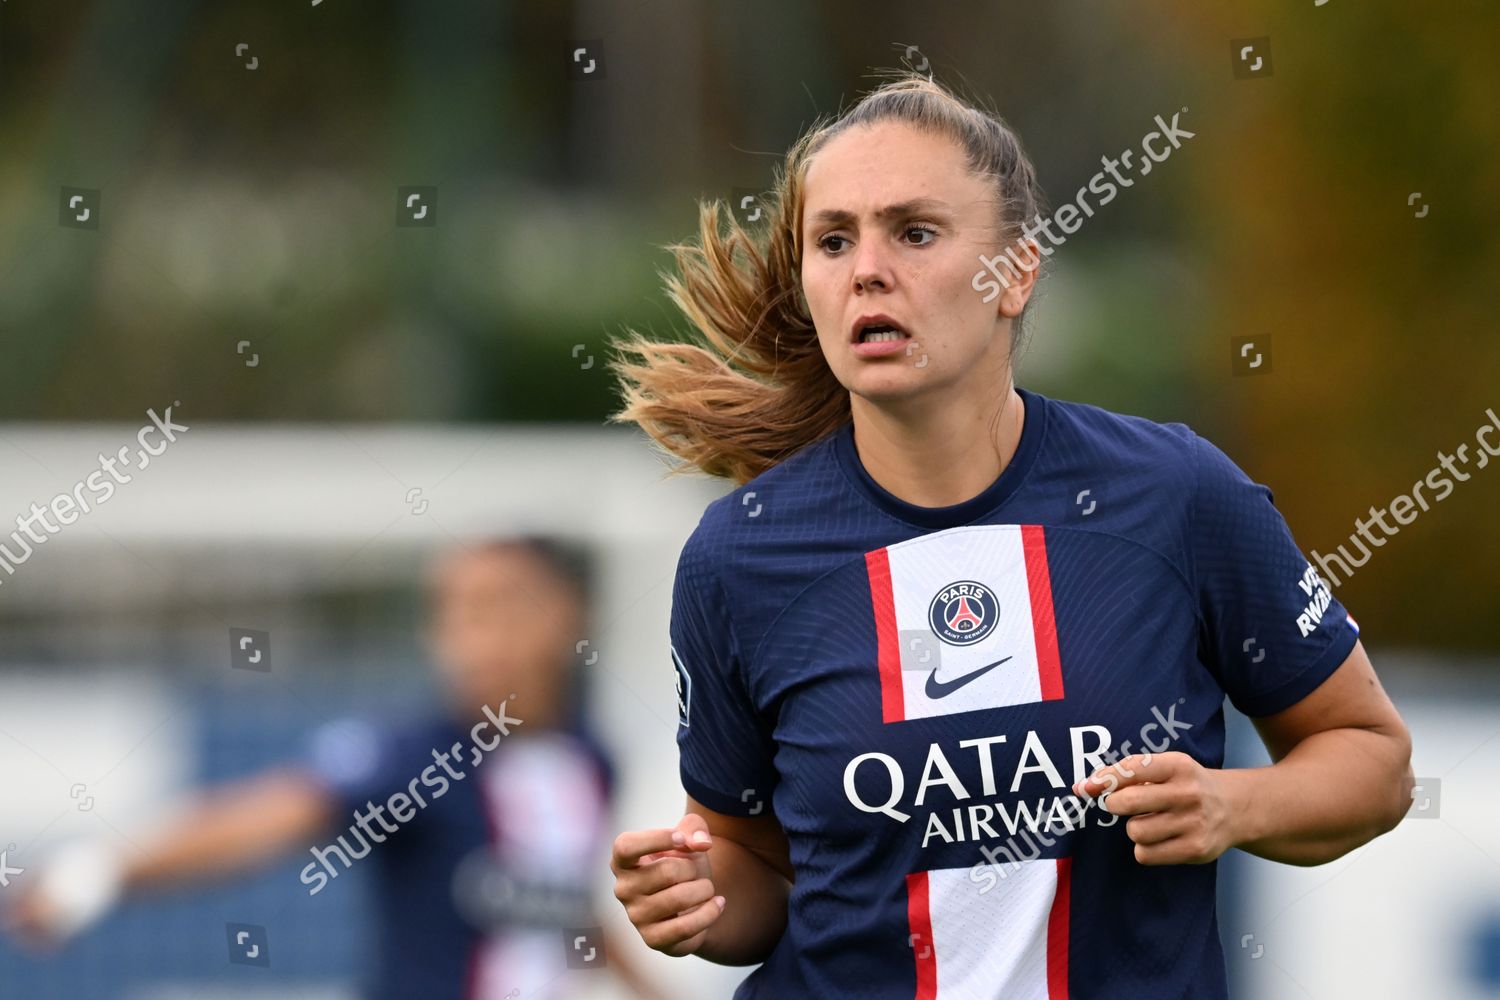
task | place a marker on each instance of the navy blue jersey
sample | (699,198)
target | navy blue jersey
(493,857)
(913,691)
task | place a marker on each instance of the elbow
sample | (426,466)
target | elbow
(1396,793)
(1408,793)
(1404,789)
(1389,798)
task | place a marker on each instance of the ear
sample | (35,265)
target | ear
(1018,291)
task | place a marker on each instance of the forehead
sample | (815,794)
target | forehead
(873,165)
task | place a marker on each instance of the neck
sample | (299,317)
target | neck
(935,453)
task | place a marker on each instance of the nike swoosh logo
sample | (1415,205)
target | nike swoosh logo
(939,689)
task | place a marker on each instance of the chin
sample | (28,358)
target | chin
(894,386)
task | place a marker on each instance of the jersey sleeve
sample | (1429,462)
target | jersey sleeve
(725,752)
(356,761)
(1270,628)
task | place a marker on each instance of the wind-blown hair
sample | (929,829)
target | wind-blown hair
(760,390)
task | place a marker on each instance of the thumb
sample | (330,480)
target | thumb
(692,833)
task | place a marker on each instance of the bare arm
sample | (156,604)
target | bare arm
(1341,774)
(753,871)
(224,832)
(234,828)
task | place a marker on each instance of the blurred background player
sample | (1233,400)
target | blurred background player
(474,893)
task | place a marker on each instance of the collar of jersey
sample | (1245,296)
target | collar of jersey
(960,513)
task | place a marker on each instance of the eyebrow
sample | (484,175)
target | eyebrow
(843,217)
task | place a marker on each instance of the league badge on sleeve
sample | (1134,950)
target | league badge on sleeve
(684,688)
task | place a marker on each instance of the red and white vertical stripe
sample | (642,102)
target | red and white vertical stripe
(1010,941)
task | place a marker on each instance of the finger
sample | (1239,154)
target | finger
(655,856)
(632,845)
(671,901)
(1137,769)
(692,833)
(1155,828)
(654,877)
(1148,798)
(669,933)
(1183,849)
(1133,771)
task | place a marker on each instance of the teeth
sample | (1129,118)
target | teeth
(880,333)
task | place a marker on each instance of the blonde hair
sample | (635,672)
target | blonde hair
(760,389)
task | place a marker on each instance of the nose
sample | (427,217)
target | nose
(871,269)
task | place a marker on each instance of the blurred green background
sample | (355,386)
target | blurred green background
(258,205)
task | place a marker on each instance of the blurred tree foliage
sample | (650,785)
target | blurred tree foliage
(251,213)
(1380,311)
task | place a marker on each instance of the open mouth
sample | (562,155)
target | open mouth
(877,330)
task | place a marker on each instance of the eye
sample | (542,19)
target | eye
(932,233)
(929,232)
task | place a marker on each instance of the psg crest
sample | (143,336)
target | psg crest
(963,613)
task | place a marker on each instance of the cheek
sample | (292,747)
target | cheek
(821,303)
(813,283)
(950,276)
(949,290)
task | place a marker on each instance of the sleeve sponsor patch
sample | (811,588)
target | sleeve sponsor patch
(684,688)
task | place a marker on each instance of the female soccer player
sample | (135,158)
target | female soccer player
(921,647)
(477,884)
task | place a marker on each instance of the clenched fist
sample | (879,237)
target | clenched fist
(664,880)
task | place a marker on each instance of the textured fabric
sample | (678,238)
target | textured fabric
(906,688)
(495,858)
